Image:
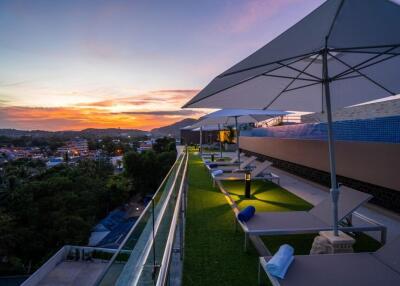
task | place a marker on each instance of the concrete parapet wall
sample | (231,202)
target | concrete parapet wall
(370,167)
(374,163)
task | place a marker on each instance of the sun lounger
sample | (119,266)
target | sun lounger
(233,168)
(208,155)
(231,162)
(317,219)
(258,173)
(368,269)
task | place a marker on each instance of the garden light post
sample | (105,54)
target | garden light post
(247,184)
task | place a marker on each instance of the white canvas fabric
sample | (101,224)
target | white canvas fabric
(189,127)
(196,127)
(226,117)
(286,74)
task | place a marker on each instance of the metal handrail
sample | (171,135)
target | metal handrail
(165,263)
(136,223)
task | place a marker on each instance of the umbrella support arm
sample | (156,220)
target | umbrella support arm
(331,144)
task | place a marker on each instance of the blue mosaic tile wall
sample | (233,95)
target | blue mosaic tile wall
(384,129)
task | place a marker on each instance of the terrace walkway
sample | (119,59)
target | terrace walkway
(214,252)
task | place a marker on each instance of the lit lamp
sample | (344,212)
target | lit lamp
(247,182)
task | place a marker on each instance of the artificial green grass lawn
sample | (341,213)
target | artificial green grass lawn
(214,252)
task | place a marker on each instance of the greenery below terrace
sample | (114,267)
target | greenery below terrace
(43,209)
(112,146)
(214,252)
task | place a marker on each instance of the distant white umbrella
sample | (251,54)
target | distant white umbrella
(205,127)
(229,117)
(343,53)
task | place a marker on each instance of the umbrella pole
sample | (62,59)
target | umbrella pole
(201,140)
(220,141)
(331,144)
(237,139)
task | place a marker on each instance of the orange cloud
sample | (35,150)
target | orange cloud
(169,97)
(80,118)
(141,111)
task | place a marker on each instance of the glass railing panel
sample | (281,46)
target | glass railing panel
(131,249)
(142,259)
(149,272)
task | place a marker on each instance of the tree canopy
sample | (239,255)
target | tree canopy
(43,209)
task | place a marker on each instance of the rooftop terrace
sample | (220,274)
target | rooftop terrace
(214,253)
(191,236)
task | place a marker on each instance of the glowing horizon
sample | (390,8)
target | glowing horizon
(70,65)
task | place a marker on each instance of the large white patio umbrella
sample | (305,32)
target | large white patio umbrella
(229,117)
(343,53)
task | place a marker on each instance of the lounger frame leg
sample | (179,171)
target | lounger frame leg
(245,241)
(383,235)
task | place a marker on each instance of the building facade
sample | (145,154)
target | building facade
(76,147)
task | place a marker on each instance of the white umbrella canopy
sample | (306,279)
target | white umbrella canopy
(362,43)
(223,121)
(227,116)
(205,128)
(188,127)
(343,53)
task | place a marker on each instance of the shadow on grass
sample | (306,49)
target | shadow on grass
(267,197)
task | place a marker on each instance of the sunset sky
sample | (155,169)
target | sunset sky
(129,64)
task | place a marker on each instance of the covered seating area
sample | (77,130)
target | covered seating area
(216,235)
(259,172)
(349,58)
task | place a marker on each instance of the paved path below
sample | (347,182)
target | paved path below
(71,273)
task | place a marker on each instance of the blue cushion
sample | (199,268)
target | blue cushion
(246,214)
(212,166)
